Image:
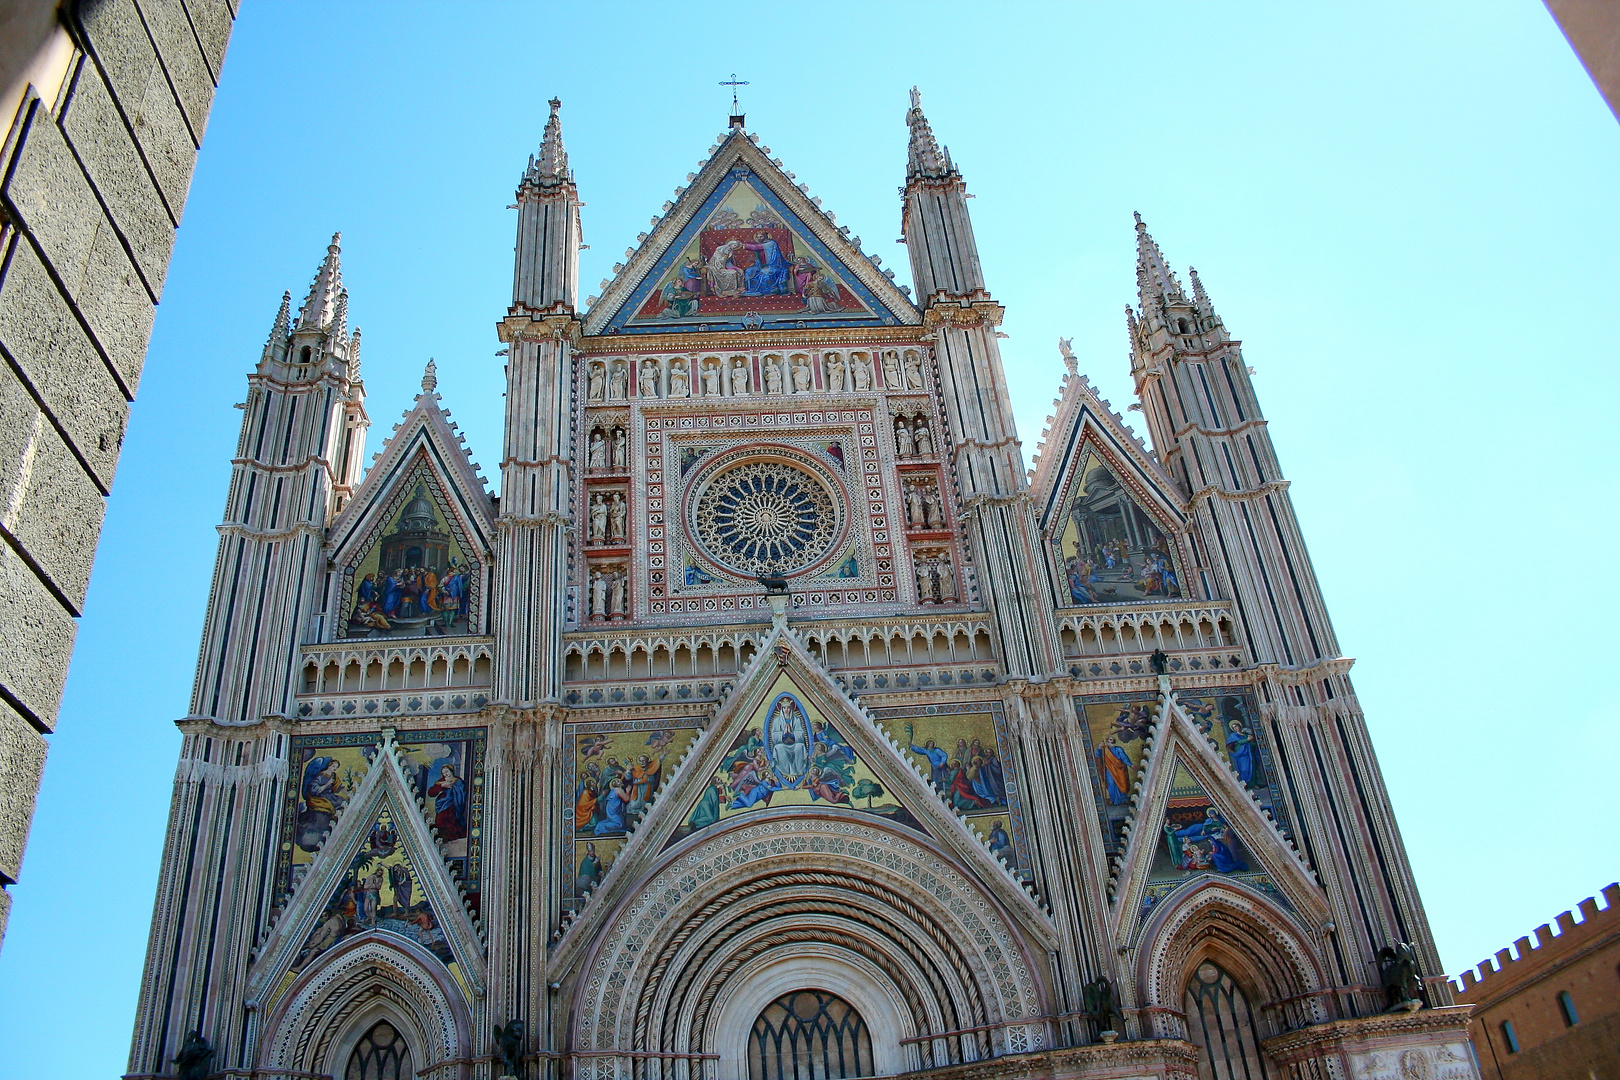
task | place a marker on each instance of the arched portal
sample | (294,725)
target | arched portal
(1222,1024)
(325,1022)
(733,922)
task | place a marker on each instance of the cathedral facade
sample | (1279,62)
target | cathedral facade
(774,721)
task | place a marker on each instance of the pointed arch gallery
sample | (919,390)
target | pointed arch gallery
(737,918)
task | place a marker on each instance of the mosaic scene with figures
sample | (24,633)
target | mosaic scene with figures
(417,580)
(446,767)
(771,719)
(1110,549)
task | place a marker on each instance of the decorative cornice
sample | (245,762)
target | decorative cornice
(1312,1041)
(750,341)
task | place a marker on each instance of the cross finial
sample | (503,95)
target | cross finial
(736,112)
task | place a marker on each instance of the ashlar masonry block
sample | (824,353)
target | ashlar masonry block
(48,504)
(41,336)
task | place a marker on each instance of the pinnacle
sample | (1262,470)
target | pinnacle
(923,156)
(551,164)
(278,329)
(319,306)
(1153,276)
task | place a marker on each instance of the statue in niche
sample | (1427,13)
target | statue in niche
(924,439)
(648,379)
(801,375)
(891,370)
(599,595)
(947,578)
(711,380)
(599,519)
(679,386)
(595,383)
(914,375)
(616,595)
(618,511)
(773,376)
(619,382)
(596,458)
(933,513)
(915,508)
(859,373)
(832,369)
(739,377)
(620,458)
(903,444)
(925,580)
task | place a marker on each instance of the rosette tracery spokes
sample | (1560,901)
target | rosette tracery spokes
(765,515)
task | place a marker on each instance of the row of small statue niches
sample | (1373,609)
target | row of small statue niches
(770,375)
(936,573)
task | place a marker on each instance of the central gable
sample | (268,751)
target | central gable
(739,252)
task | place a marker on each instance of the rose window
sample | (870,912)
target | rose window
(764,516)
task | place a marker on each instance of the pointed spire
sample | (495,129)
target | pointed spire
(323,291)
(551,164)
(278,332)
(340,319)
(1153,276)
(354,355)
(923,156)
(430,377)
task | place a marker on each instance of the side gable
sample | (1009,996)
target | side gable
(694,271)
(1193,817)
(422,473)
(1114,522)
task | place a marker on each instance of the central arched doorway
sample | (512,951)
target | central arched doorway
(809,1035)
(1221,1023)
(381,1054)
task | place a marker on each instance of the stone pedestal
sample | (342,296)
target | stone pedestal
(1431,1044)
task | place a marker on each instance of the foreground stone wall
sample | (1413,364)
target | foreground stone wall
(105,102)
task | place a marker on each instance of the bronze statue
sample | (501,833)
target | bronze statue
(509,1048)
(1398,970)
(1159,662)
(1097,997)
(194,1058)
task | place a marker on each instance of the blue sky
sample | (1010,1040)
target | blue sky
(1405,211)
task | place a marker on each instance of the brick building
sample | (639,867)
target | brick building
(1554,1010)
